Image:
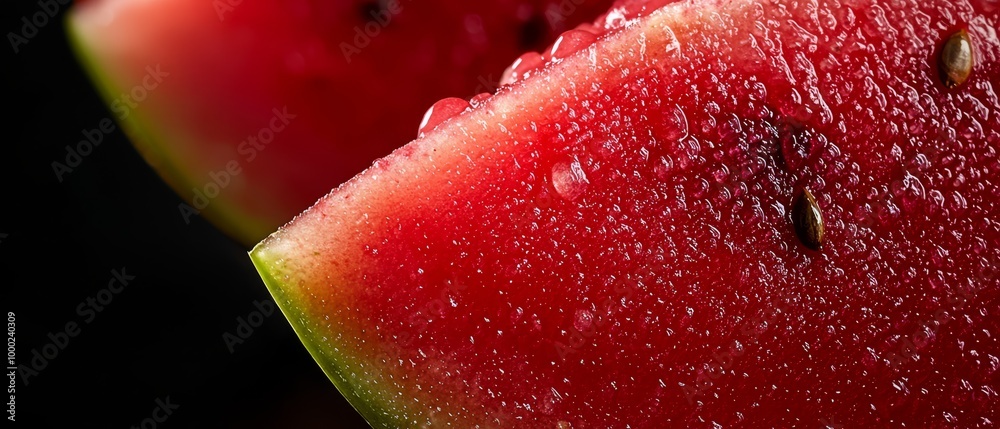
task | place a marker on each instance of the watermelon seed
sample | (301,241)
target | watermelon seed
(808,220)
(956,59)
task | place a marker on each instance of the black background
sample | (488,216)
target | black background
(162,336)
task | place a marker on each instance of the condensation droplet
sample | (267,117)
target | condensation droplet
(675,123)
(570,43)
(522,68)
(569,179)
(441,111)
(583,321)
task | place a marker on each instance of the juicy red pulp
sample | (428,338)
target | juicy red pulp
(618,248)
(718,203)
(354,75)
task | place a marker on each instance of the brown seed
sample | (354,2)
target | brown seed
(808,220)
(957,59)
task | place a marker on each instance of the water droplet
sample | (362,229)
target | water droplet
(570,43)
(662,168)
(569,180)
(522,68)
(936,200)
(957,59)
(605,148)
(699,188)
(516,315)
(441,111)
(808,220)
(911,192)
(583,321)
(479,99)
(672,46)
(675,123)
(957,203)
(536,322)
(799,146)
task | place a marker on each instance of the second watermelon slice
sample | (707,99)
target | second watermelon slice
(252,110)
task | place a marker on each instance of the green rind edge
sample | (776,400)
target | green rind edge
(377,417)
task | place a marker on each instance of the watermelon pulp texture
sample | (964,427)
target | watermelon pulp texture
(252,111)
(609,242)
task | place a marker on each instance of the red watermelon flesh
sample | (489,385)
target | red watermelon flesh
(610,242)
(323,87)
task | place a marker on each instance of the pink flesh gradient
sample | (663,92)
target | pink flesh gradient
(608,243)
(354,98)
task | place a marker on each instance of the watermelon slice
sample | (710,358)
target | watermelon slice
(719,213)
(252,110)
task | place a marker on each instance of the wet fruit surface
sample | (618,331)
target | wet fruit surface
(609,242)
(351,74)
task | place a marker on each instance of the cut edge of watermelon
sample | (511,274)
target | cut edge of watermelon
(332,362)
(143,134)
(279,274)
(445,144)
